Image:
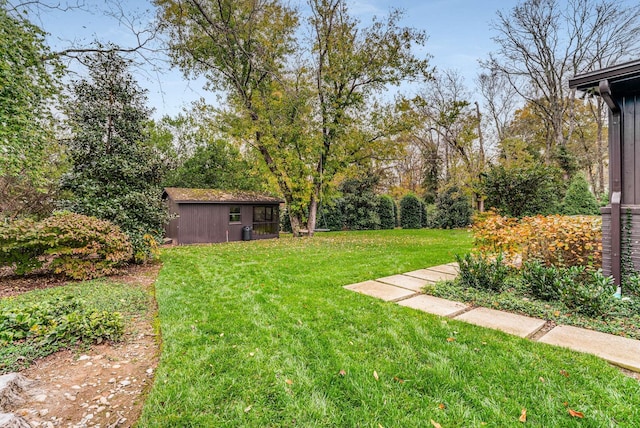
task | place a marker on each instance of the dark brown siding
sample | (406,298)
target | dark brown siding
(629,213)
(200,223)
(630,107)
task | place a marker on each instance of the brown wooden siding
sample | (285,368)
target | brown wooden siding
(627,210)
(630,107)
(209,222)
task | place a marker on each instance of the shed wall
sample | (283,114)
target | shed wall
(209,222)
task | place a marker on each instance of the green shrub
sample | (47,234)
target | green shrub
(542,280)
(59,321)
(588,292)
(453,209)
(481,273)
(386,212)
(579,200)
(410,212)
(360,204)
(72,245)
(519,192)
(331,216)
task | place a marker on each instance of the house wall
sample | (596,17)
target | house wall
(630,124)
(630,217)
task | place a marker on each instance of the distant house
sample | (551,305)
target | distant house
(209,215)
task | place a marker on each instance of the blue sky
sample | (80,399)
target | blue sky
(459,35)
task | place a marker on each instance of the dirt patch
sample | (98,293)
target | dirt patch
(103,386)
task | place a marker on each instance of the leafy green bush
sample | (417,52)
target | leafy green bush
(542,280)
(386,212)
(61,321)
(579,199)
(588,292)
(360,204)
(73,245)
(410,212)
(481,273)
(330,216)
(519,192)
(453,209)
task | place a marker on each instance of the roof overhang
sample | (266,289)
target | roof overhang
(615,74)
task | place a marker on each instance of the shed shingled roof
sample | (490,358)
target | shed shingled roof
(180,194)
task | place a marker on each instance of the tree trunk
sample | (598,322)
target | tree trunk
(313,211)
(295,223)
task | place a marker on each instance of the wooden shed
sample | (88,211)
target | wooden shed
(210,215)
(619,87)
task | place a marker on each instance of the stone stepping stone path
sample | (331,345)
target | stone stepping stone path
(406,290)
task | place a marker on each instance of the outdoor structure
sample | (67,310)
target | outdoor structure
(209,215)
(619,86)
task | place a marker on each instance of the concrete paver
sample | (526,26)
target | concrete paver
(450,269)
(431,275)
(404,281)
(382,291)
(434,305)
(518,325)
(617,350)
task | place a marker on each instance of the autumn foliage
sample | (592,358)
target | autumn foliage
(552,240)
(68,244)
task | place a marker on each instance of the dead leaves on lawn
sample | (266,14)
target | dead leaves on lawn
(576,414)
(523,416)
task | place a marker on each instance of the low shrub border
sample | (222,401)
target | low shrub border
(73,245)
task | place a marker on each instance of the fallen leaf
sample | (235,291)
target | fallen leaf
(523,416)
(435,424)
(556,313)
(541,379)
(247,409)
(397,379)
(342,373)
(375,375)
(289,382)
(441,406)
(451,339)
(576,414)
(565,404)
(564,373)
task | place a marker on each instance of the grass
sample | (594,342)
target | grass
(257,333)
(102,295)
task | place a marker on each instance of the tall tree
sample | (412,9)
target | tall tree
(114,175)
(542,43)
(351,65)
(28,90)
(305,119)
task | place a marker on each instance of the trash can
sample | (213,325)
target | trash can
(246,233)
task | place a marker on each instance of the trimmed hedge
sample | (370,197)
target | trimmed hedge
(386,212)
(410,212)
(68,244)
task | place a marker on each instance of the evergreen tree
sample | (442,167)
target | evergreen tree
(453,209)
(386,212)
(410,212)
(579,199)
(114,175)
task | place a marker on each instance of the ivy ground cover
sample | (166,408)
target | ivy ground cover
(262,334)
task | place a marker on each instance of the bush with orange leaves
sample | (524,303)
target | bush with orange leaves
(553,240)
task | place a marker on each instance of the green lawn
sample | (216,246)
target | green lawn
(257,333)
